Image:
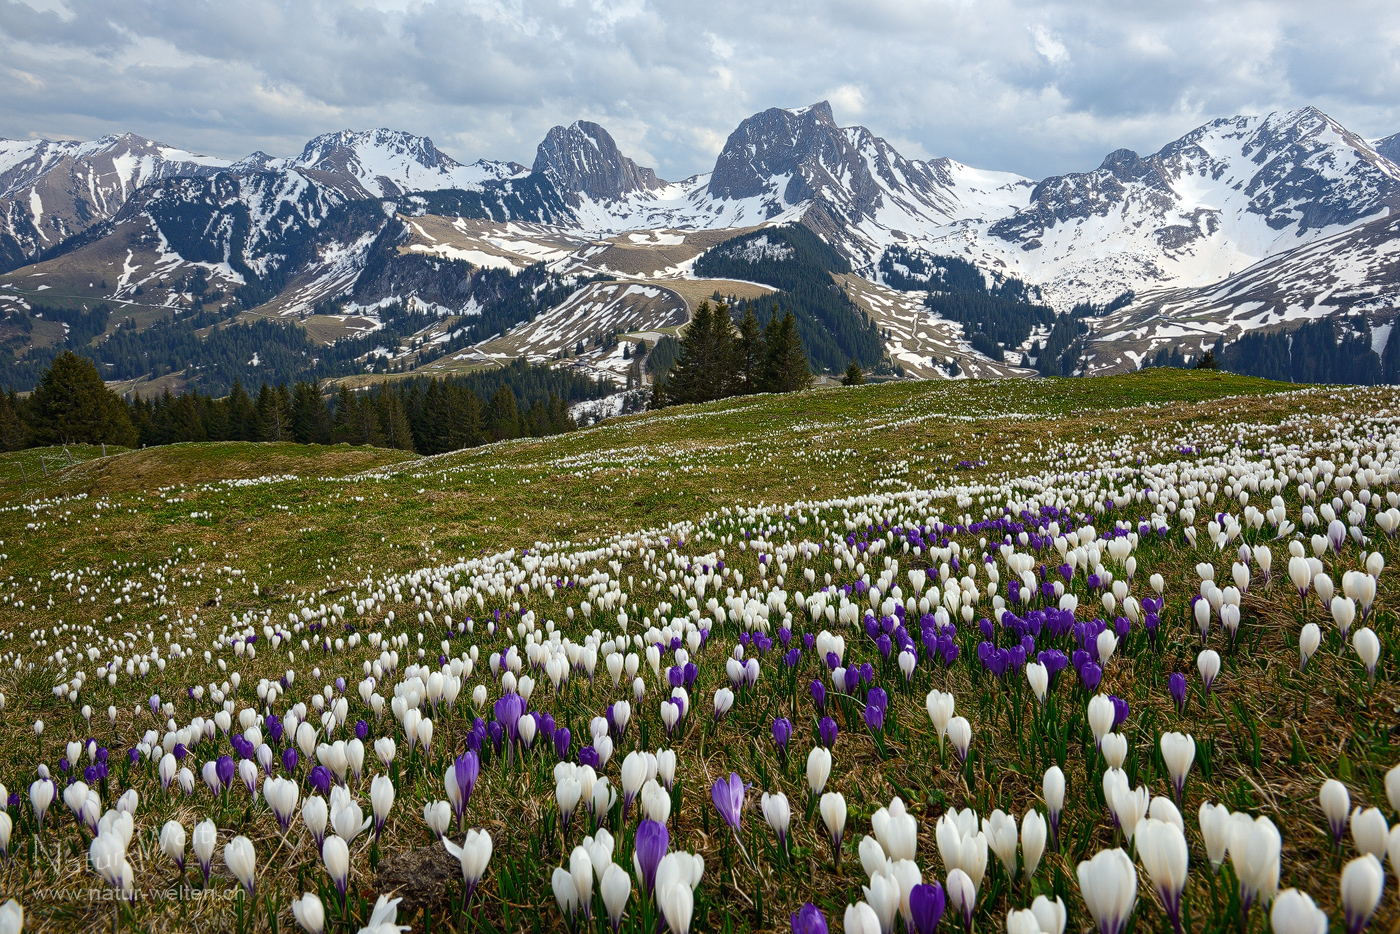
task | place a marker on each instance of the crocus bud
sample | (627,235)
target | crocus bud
(1363,883)
(1336,807)
(1108,884)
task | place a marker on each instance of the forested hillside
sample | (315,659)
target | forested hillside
(798,264)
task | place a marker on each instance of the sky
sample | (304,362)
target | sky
(1038,88)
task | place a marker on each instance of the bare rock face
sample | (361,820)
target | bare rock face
(1389,147)
(582,160)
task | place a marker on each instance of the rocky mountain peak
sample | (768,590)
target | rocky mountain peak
(777,143)
(582,160)
(335,152)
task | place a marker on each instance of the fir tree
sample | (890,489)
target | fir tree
(784,362)
(704,370)
(749,354)
(275,412)
(502,418)
(393,421)
(311,420)
(12,427)
(71,405)
(855,376)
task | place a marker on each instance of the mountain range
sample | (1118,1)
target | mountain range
(1245,223)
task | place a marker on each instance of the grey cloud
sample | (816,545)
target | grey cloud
(1033,87)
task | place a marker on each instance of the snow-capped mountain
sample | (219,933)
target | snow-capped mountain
(1355,271)
(859,191)
(848,184)
(388,163)
(1210,204)
(51,190)
(1245,222)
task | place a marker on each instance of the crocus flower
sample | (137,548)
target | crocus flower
(729,799)
(1209,664)
(833,811)
(1176,684)
(172,843)
(1108,883)
(1162,848)
(242,861)
(826,729)
(335,855)
(782,733)
(474,854)
(778,814)
(1336,807)
(809,920)
(926,905)
(651,843)
(1362,884)
(309,913)
(1053,788)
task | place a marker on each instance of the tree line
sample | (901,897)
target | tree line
(796,262)
(71,405)
(716,359)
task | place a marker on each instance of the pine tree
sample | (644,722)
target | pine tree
(393,421)
(704,371)
(311,420)
(784,362)
(855,376)
(243,422)
(71,405)
(502,417)
(749,353)
(12,427)
(275,412)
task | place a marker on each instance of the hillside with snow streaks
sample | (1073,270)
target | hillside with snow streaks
(1246,222)
(1204,207)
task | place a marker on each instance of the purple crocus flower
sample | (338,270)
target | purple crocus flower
(1150,622)
(1120,711)
(808,920)
(926,904)
(226,770)
(826,729)
(465,770)
(562,740)
(361,730)
(289,759)
(782,732)
(1177,685)
(1091,674)
(729,799)
(819,696)
(589,756)
(874,718)
(652,841)
(321,779)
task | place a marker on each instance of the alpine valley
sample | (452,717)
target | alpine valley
(1270,241)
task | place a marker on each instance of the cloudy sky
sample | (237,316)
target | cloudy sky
(1023,85)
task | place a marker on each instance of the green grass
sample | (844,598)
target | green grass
(309,525)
